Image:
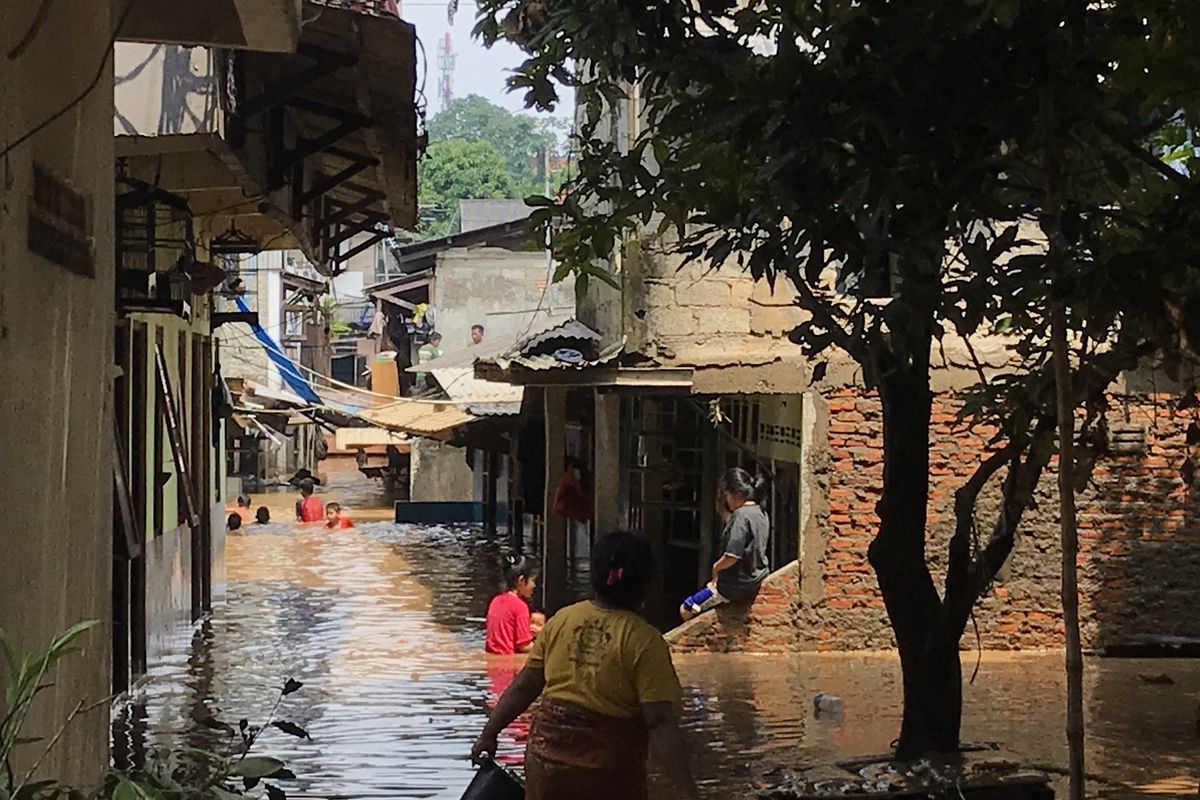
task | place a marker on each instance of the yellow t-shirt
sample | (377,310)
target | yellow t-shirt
(606,660)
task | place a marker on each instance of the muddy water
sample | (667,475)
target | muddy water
(383,625)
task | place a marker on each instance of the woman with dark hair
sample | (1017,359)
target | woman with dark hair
(743,564)
(609,691)
(508,622)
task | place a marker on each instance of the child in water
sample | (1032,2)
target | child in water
(334,518)
(509,622)
(233,523)
(243,508)
(263,515)
(308,508)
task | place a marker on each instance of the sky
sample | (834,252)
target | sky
(479,70)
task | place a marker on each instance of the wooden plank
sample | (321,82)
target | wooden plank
(129,545)
(175,436)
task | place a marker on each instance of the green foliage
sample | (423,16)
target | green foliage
(460,169)
(180,774)
(520,138)
(479,150)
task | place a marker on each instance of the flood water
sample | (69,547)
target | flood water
(383,624)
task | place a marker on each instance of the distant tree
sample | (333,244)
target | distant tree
(459,169)
(521,138)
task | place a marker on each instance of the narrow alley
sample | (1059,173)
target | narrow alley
(383,624)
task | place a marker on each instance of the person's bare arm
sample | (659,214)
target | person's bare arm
(725,562)
(512,704)
(667,746)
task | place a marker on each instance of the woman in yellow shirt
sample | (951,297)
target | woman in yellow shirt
(609,691)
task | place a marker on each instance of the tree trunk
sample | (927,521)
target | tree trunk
(929,657)
(1070,551)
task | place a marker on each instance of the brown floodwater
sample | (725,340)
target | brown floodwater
(383,624)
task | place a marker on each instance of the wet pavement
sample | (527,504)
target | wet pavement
(383,624)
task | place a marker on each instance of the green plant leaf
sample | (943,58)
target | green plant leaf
(291,728)
(127,790)
(256,767)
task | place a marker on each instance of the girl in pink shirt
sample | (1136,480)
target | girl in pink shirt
(508,619)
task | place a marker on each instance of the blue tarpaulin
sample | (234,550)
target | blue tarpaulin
(290,372)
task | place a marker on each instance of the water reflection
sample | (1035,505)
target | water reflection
(383,624)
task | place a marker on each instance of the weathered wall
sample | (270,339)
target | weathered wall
(499,289)
(168,591)
(56,348)
(1139,559)
(440,472)
(766,624)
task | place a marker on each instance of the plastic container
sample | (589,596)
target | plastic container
(829,704)
(494,782)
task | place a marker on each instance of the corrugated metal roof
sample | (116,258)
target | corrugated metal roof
(571,329)
(476,214)
(413,416)
(479,397)
(556,361)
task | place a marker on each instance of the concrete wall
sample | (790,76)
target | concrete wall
(56,351)
(440,472)
(499,289)
(165,89)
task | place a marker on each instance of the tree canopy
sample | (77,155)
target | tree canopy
(459,169)
(919,171)
(521,138)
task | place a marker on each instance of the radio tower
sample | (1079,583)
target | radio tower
(446,59)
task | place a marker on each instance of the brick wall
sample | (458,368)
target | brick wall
(1139,539)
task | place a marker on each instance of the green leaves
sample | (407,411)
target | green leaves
(257,767)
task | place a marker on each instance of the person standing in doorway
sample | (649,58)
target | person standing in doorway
(609,692)
(308,507)
(476,334)
(743,564)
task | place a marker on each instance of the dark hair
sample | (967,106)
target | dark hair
(622,566)
(332,506)
(263,515)
(738,481)
(243,501)
(234,522)
(477,327)
(517,567)
(433,335)
(306,486)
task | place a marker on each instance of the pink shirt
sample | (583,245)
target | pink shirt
(311,509)
(507,624)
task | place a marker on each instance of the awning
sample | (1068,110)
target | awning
(478,397)
(430,419)
(350,438)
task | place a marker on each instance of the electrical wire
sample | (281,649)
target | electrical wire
(50,120)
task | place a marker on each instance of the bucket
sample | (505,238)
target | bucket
(494,782)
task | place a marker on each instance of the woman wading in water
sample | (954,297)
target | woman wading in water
(609,691)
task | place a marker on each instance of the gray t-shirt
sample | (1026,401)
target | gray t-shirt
(745,537)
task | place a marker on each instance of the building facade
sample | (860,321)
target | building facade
(111,249)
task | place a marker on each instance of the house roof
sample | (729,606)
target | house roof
(479,397)
(423,255)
